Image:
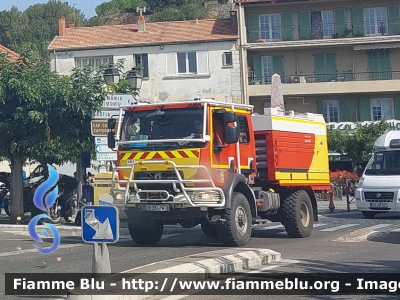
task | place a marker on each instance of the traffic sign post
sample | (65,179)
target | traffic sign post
(100,225)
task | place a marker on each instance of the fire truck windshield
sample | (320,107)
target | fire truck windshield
(164,125)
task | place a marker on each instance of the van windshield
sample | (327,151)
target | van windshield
(162,124)
(384,163)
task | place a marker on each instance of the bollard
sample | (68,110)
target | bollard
(331,205)
(348,195)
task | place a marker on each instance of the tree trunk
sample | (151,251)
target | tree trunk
(17,192)
(79,174)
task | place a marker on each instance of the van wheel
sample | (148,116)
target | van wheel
(368,214)
(296,214)
(236,231)
(145,232)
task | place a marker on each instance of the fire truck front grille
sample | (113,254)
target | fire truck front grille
(154,176)
(379,196)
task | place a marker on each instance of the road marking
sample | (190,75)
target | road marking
(282,263)
(361,234)
(318,225)
(18,252)
(395,230)
(339,227)
(164,236)
(270,227)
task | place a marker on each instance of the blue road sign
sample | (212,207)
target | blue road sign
(100,224)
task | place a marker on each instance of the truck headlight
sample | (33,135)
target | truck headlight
(119,196)
(360,182)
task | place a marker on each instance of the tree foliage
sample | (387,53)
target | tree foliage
(118,6)
(44,117)
(357,144)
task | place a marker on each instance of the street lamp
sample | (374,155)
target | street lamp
(134,76)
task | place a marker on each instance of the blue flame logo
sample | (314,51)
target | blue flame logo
(49,201)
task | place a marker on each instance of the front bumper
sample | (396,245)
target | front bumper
(377,199)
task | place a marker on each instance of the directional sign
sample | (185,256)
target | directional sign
(100,224)
(100,128)
(105,114)
(110,156)
(100,140)
(114,101)
(103,149)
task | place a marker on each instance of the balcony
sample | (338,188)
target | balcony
(327,34)
(346,82)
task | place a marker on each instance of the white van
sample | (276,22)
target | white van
(379,185)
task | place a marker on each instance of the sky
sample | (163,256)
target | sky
(86,6)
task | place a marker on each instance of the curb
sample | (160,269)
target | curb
(196,270)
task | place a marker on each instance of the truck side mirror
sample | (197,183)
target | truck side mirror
(111,140)
(229,116)
(231,134)
(111,124)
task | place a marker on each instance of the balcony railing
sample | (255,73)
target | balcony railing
(323,31)
(339,77)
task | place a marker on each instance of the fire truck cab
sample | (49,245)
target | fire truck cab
(218,165)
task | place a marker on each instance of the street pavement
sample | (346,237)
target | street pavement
(342,241)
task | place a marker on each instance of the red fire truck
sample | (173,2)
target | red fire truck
(219,165)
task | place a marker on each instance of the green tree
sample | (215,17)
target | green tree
(118,6)
(44,117)
(357,144)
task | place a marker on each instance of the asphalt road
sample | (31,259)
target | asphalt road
(341,242)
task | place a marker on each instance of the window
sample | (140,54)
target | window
(95,62)
(244,136)
(381,109)
(322,24)
(269,66)
(187,63)
(331,111)
(270,27)
(379,64)
(376,21)
(142,60)
(227,59)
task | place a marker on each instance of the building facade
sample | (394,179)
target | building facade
(180,60)
(339,58)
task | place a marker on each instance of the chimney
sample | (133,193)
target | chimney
(233,18)
(71,25)
(141,20)
(61,26)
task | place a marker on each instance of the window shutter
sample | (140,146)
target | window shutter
(171,63)
(145,66)
(340,21)
(277,66)
(330,65)
(202,62)
(345,110)
(253,28)
(320,107)
(319,66)
(357,18)
(396,101)
(394,20)
(257,66)
(304,25)
(287,26)
(365,109)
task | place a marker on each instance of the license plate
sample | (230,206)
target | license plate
(154,207)
(378,205)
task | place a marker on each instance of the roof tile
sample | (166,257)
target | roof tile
(12,56)
(156,33)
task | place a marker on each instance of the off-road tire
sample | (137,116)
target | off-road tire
(296,214)
(368,214)
(208,229)
(55,218)
(236,231)
(145,232)
(78,219)
(7,207)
